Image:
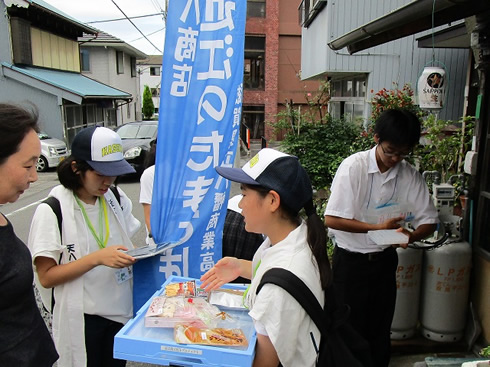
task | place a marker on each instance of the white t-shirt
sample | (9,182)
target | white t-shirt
(360,191)
(103,295)
(146,181)
(274,311)
(146,192)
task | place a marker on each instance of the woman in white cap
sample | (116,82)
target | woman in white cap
(24,337)
(275,188)
(86,263)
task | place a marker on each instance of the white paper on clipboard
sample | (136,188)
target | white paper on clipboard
(387,237)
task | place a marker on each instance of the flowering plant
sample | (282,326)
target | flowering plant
(394,98)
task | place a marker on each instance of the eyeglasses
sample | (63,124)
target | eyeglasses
(395,154)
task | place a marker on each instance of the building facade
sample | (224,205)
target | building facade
(272,66)
(40,64)
(453,33)
(356,78)
(112,61)
(150,73)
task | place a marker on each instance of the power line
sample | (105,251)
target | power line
(149,34)
(134,25)
(118,19)
(156,5)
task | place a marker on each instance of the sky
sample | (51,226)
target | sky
(153,27)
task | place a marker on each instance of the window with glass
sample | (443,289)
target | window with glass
(84,59)
(120,62)
(254,63)
(256,9)
(110,117)
(74,121)
(253,118)
(308,10)
(155,70)
(78,117)
(90,112)
(155,92)
(133,67)
(138,131)
(348,96)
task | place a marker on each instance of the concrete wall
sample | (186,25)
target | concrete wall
(388,65)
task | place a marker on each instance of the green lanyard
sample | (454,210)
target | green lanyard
(99,238)
(248,288)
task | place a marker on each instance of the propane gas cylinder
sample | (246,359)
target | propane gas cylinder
(408,280)
(445,289)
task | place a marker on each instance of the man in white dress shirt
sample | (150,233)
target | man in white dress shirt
(373,190)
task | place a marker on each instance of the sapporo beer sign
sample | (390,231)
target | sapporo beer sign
(431,88)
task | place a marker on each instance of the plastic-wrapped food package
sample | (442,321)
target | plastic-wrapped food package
(189,334)
(185,289)
(168,311)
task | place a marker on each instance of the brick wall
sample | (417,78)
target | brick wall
(282,60)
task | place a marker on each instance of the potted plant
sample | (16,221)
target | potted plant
(443,149)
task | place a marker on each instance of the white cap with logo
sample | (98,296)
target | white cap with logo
(102,149)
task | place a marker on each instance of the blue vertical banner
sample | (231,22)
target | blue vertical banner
(199,121)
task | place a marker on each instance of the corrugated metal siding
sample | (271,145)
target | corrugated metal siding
(47,104)
(392,64)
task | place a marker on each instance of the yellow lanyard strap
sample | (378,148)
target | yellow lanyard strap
(99,238)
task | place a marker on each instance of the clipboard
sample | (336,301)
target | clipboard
(149,250)
(386,237)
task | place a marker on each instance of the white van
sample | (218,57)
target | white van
(53,151)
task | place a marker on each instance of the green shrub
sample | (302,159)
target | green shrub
(321,147)
(148,108)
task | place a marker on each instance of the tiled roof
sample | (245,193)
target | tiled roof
(101,38)
(151,60)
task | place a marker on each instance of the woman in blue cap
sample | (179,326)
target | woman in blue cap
(86,263)
(275,188)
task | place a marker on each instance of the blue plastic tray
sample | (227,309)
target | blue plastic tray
(135,342)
